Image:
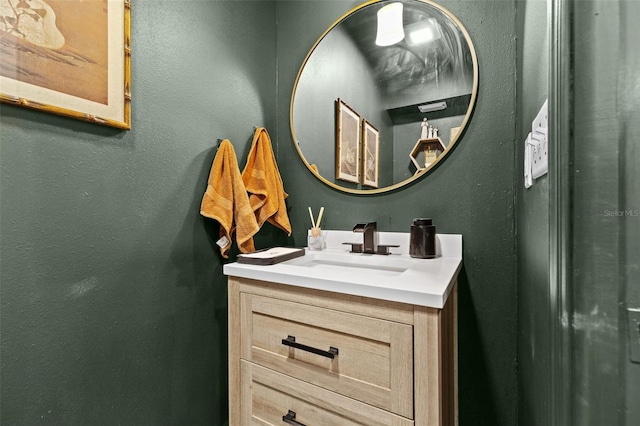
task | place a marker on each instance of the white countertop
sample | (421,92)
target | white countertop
(395,277)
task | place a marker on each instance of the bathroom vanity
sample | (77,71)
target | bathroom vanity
(339,338)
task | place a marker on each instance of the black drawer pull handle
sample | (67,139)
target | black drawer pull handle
(289,418)
(291,341)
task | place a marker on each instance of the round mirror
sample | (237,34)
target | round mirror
(383,95)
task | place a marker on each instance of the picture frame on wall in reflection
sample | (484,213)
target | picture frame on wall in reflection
(70,58)
(370,154)
(347,143)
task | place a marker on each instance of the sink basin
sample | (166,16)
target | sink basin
(360,263)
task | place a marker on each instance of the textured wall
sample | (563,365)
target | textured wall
(113,300)
(471,193)
(532,213)
(606,213)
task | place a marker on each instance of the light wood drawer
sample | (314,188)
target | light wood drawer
(374,362)
(267,396)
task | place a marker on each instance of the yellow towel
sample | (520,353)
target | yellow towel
(226,200)
(264,184)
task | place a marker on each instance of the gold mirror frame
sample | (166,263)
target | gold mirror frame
(420,173)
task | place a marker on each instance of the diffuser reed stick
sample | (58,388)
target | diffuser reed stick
(313,224)
(319,217)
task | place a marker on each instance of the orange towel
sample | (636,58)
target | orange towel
(226,200)
(264,184)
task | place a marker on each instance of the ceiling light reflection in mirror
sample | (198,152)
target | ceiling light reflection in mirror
(431,72)
(390,30)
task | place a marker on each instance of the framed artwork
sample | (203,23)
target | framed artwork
(347,143)
(370,154)
(68,57)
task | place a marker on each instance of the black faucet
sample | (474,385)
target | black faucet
(370,240)
(370,237)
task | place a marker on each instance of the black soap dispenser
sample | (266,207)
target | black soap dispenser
(422,244)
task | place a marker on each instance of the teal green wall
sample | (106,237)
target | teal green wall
(629,176)
(532,220)
(113,302)
(601,382)
(471,193)
(606,215)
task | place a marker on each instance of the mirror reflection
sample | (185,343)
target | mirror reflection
(383,95)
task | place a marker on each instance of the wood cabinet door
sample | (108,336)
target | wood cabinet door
(267,396)
(364,358)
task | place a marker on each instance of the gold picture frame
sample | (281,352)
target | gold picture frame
(370,154)
(347,143)
(68,57)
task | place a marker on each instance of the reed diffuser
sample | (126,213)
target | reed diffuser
(316,239)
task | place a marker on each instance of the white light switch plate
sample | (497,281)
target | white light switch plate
(541,121)
(528,154)
(540,157)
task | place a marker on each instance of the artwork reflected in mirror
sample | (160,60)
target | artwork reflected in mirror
(431,72)
(347,143)
(370,154)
